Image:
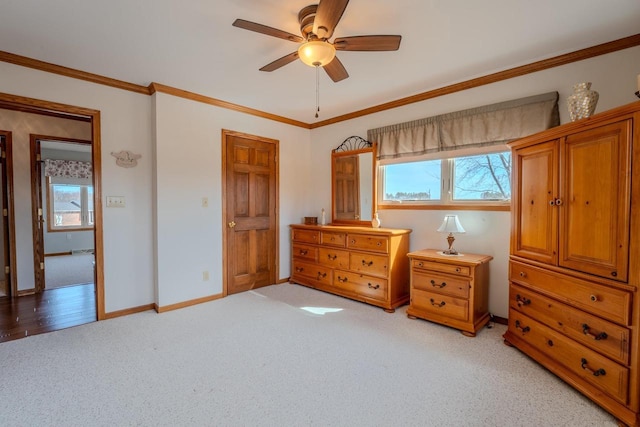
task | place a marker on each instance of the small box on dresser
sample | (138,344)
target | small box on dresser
(450,289)
(364,264)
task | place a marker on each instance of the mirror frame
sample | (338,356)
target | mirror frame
(353,146)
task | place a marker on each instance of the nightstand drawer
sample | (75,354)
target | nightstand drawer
(377,265)
(306,236)
(333,258)
(305,252)
(372,287)
(444,268)
(441,305)
(441,284)
(368,243)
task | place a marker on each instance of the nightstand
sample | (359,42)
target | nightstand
(450,289)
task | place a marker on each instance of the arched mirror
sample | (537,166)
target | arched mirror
(353,186)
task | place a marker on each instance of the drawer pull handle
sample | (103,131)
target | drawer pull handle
(550,343)
(435,304)
(303,251)
(522,301)
(353,241)
(367,264)
(332,257)
(420,264)
(524,330)
(435,285)
(587,331)
(377,286)
(379,244)
(596,373)
(299,269)
(614,273)
(523,274)
(321,275)
(333,239)
(342,279)
(457,269)
(593,298)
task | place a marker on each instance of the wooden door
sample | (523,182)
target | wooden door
(535,172)
(347,187)
(250,211)
(595,204)
(8,283)
(37,215)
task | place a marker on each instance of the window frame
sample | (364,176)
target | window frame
(446,200)
(85,213)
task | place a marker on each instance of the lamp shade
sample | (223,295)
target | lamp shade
(316,53)
(451,224)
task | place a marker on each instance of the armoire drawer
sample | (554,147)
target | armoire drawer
(314,272)
(441,305)
(438,266)
(305,251)
(440,283)
(609,303)
(376,265)
(368,286)
(368,243)
(589,365)
(333,258)
(605,337)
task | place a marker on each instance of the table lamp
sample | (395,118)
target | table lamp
(451,225)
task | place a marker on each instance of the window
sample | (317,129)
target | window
(482,179)
(70,206)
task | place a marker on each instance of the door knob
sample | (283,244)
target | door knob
(232,224)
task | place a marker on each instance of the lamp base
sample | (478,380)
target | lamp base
(450,252)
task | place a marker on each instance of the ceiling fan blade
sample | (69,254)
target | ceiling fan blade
(336,70)
(280,62)
(263,29)
(327,16)
(368,43)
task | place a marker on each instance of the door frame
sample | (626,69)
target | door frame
(9,222)
(37,106)
(37,208)
(276,250)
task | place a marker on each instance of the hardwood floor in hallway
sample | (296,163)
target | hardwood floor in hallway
(48,311)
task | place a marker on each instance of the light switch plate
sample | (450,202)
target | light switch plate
(115,201)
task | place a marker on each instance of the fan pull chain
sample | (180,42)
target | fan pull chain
(317,90)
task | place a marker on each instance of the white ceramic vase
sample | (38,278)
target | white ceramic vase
(375,222)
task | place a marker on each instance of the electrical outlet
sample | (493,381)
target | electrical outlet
(205,276)
(205,202)
(115,201)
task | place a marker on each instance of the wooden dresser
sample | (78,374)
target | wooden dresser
(575,256)
(365,264)
(450,289)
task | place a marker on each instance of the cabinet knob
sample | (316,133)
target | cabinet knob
(593,298)
(523,274)
(614,273)
(457,269)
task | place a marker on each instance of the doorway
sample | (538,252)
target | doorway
(250,211)
(7,282)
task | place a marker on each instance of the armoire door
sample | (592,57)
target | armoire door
(535,214)
(595,201)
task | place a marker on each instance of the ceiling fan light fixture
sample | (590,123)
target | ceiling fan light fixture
(316,53)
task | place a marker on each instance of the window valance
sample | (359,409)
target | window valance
(67,168)
(477,127)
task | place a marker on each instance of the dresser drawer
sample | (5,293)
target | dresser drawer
(329,238)
(598,334)
(306,236)
(592,367)
(377,265)
(442,305)
(368,242)
(318,274)
(333,258)
(440,283)
(305,252)
(371,287)
(612,304)
(438,266)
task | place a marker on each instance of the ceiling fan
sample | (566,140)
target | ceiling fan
(317,23)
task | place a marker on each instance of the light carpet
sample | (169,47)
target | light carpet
(260,359)
(68,270)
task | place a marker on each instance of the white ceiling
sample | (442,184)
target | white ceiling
(191,44)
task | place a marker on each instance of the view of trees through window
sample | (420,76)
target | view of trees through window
(483,177)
